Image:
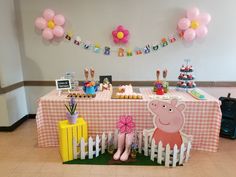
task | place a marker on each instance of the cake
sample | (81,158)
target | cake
(126,92)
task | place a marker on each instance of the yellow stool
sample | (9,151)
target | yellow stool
(69,131)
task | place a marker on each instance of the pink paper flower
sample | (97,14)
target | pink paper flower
(50,24)
(194,25)
(126,124)
(120,35)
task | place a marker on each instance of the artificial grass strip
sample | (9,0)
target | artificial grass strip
(107,159)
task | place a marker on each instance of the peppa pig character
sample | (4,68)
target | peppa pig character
(168,121)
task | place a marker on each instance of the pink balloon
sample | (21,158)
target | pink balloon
(47,34)
(189,35)
(59,20)
(120,27)
(116,40)
(204,18)
(40,23)
(184,23)
(58,31)
(193,13)
(48,14)
(202,32)
(125,39)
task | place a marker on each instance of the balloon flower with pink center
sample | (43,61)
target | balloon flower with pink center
(194,25)
(50,24)
(120,35)
(126,124)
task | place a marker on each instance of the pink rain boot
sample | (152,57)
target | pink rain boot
(121,145)
(128,142)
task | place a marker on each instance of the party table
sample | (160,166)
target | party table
(202,117)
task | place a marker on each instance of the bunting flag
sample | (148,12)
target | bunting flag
(122,52)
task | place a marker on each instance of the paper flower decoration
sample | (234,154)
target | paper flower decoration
(126,124)
(50,24)
(120,35)
(194,25)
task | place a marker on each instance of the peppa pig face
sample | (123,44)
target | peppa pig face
(168,117)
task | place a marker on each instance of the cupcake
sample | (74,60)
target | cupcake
(139,96)
(134,96)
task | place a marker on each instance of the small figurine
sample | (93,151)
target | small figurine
(121,52)
(107,51)
(69,36)
(129,53)
(97,48)
(146,49)
(138,51)
(164,42)
(77,40)
(172,39)
(87,45)
(155,47)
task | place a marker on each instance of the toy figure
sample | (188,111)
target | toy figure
(129,53)
(77,41)
(146,49)
(168,121)
(68,36)
(155,47)
(172,39)
(164,42)
(121,52)
(138,51)
(107,51)
(97,48)
(86,45)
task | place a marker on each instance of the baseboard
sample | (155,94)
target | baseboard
(17,124)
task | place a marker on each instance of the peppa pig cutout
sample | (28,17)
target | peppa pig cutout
(168,121)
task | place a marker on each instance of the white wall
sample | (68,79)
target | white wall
(13,104)
(148,21)
(10,59)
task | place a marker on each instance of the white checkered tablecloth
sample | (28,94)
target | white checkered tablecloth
(202,117)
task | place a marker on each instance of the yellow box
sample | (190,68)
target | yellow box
(69,131)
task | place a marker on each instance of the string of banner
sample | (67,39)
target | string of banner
(122,52)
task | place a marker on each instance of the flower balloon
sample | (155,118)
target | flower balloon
(194,24)
(120,35)
(50,24)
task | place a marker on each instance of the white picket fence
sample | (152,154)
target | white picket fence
(146,145)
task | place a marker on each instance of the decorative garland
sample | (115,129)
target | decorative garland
(121,52)
(189,28)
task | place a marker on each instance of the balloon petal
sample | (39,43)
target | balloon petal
(40,23)
(59,20)
(193,13)
(189,35)
(58,31)
(126,32)
(120,28)
(114,33)
(184,23)
(47,34)
(204,18)
(48,14)
(201,32)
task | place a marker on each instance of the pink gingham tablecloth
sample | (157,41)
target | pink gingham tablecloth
(202,117)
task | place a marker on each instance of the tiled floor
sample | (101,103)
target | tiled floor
(20,157)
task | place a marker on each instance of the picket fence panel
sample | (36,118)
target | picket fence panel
(146,145)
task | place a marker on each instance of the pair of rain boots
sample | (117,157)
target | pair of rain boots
(124,146)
